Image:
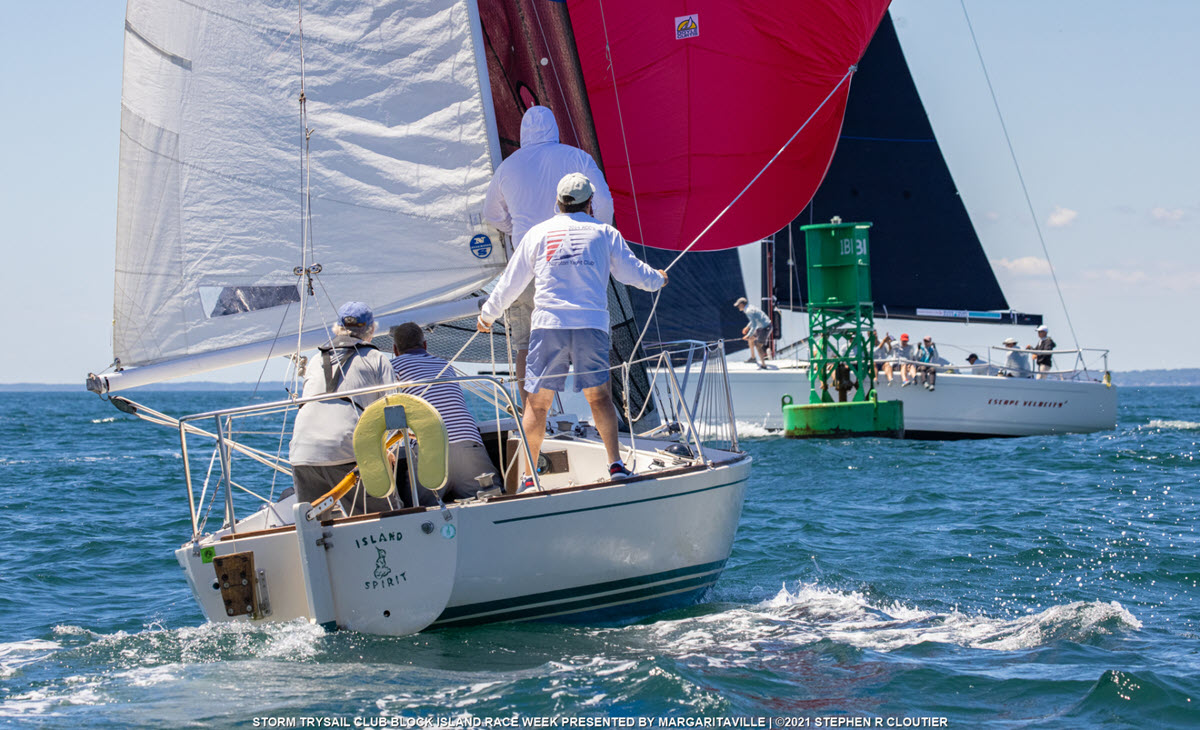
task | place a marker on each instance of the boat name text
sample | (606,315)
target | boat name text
(1026,403)
(362,542)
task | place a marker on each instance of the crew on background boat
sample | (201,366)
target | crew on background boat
(570,258)
(521,195)
(883,354)
(1017,363)
(902,357)
(1044,362)
(757,333)
(927,354)
(977,366)
(322,446)
(468,459)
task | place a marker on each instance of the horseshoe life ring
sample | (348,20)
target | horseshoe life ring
(424,422)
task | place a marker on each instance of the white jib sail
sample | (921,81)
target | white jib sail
(210,194)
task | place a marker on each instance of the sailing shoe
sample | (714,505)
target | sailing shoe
(526,485)
(905,384)
(617,471)
(931,388)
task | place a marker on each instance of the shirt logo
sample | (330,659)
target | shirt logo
(687,26)
(556,240)
(481,246)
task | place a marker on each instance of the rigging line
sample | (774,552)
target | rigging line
(654,307)
(451,360)
(637,213)
(844,79)
(282,320)
(305,197)
(621,124)
(554,68)
(1025,190)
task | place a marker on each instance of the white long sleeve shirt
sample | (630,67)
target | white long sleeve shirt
(570,257)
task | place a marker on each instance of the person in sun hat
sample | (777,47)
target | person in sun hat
(1017,363)
(1045,344)
(322,446)
(569,258)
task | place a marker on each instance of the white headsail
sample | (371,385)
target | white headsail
(209,226)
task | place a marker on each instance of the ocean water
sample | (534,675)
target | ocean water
(1043,582)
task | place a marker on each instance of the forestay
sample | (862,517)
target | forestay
(210,217)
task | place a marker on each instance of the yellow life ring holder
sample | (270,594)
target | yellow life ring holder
(424,423)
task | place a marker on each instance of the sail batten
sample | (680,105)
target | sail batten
(211,187)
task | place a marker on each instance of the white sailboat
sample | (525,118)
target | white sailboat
(386,158)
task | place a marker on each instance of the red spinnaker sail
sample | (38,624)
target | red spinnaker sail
(691,98)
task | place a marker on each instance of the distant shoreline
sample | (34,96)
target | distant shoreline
(1129,379)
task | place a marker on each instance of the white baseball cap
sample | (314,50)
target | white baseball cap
(574,189)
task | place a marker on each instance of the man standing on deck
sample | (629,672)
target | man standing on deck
(1044,362)
(570,258)
(756,333)
(521,195)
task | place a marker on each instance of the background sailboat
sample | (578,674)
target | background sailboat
(927,264)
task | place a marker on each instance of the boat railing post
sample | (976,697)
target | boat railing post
(699,381)
(687,367)
(187,478)
(396,419)
(686,412)
(720,344)
(223,449)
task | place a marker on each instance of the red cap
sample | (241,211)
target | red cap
(904,336)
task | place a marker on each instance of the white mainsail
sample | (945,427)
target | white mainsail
(209,225)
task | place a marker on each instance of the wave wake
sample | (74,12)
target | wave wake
(1174,425)
(811,614)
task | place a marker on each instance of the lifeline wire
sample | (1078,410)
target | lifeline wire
(1028,202)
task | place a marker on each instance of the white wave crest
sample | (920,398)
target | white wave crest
(812,613)
(745,429)
(17,654)
(1174,425)
(110,419)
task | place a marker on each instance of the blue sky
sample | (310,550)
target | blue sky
(1100,98)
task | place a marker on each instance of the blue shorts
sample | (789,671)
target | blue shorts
(553,352)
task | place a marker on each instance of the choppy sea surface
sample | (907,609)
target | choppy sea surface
(1042,582)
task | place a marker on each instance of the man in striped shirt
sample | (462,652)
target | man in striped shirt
(467,456)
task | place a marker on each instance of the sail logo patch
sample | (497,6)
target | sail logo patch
(687,26)
(481,246)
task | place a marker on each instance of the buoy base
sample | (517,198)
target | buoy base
(841,420)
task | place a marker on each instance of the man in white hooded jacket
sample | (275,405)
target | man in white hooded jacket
(570,257)
(521,195)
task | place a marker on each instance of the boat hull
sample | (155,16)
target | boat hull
(603,552)
(961,406)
